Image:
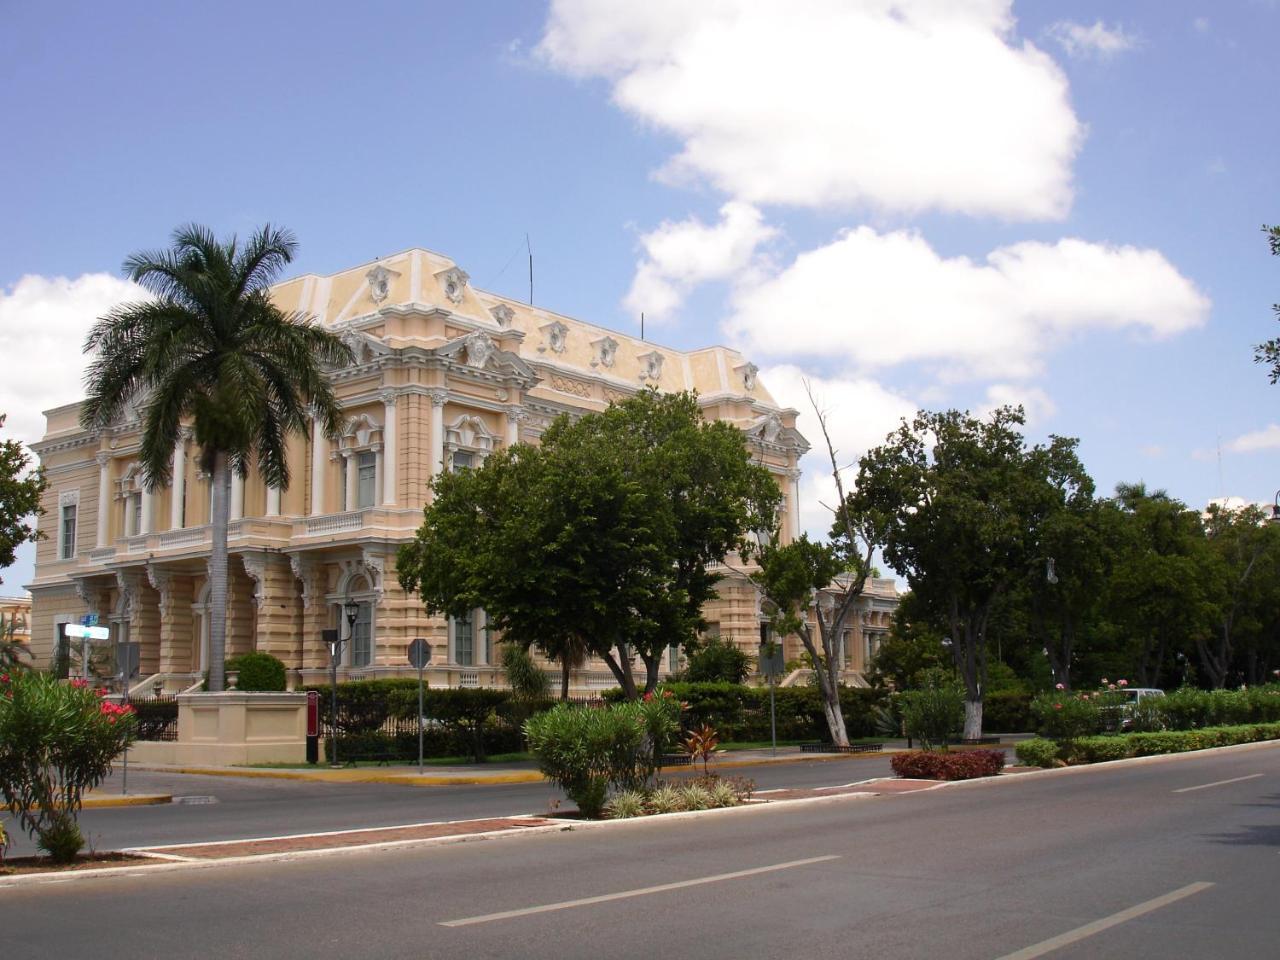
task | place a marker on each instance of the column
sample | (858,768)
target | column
(319,459)
(388,398)
(237,495)
(438,399)
(794,476)
(349,457)
(179,490)
(377,469)
(273,501)
(104,497)
(148,510)
(514,417)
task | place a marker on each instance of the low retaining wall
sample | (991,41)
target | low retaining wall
(233,729)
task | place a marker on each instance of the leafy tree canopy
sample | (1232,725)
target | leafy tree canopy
(20,491)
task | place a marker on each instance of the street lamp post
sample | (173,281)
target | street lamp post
(352,611)
(1275,508)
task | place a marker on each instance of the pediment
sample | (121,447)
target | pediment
(479,351)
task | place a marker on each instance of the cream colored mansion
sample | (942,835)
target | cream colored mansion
(444,374)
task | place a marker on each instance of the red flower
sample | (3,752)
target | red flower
(80,684)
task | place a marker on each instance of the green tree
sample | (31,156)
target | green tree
(212,348)
(717,661)
(1245,548)
(601,540)
(966,503)
(20,492)
(1161,594)
(1268,352)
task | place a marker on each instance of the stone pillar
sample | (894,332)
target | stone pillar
(179,490)
(276,599)
(438,400)
(350,458)
(273,501)
(514,416)
(319,462)
(377,470)
(388,486)
(237,495)
(176,622)
(104,498)
(148,511)
(240,610)
(793,481)
(143,606)
(313,615)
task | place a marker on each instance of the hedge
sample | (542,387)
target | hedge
(741,713)
(960,765)
(1048,753)
(1185,709)
(258,671)
(1008,711)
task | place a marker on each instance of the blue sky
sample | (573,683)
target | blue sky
(909,203)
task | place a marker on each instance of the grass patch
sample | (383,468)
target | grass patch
(768,744)
(466,761)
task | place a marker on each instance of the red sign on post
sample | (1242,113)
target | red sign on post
(313,713)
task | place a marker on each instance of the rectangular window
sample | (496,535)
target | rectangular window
(673,657)
(362,637)
(488,642)
(67,533)
(846,642)
(463,460)
(136,502)
(463,642)
(366,478)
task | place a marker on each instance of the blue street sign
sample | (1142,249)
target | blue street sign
(89,620)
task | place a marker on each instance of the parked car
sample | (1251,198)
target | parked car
(1120,715)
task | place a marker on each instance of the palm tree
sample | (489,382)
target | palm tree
(212,348)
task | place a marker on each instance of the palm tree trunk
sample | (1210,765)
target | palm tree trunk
(564,677)
(221,492)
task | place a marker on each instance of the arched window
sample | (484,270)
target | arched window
(360,649)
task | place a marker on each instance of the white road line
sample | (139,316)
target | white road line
(641,892)
(1106,923)
(1219,783)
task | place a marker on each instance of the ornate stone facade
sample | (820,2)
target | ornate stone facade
(444,375)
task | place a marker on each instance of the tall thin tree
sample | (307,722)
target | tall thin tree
(212,348)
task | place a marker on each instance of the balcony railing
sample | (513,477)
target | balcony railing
(336,522)
(183,537)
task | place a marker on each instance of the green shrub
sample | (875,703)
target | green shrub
(1006,711)
(934,713)
(56,741)
(666,798)
(1063,715)
(625,805)
(1038,752)
(724,794)
(258,672)
(526,679)
(1099,749)
(589,750)
(717,661)
(696,797)
(365,705)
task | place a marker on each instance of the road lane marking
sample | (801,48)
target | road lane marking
(1219,783)
(641,892)
(1106,923)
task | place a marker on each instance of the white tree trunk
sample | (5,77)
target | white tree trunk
(972,719)
(221,492)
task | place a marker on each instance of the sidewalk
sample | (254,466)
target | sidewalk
(497,773)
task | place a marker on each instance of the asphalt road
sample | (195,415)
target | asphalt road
(1171,859)
(247,807)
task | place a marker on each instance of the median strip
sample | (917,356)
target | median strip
(639,892)
(1106,923)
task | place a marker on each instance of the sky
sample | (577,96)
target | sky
(920,203)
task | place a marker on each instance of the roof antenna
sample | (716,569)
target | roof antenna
(641,324)
(529,247)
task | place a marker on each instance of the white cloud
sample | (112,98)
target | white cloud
(1268,438)
(680,255)
(1201,24)
(859,413)
(1037,404)
(879,300)
(897,105)
(1098,41)
(43,323)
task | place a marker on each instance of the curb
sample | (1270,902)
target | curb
(126,800)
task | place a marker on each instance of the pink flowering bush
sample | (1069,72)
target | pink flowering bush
(56,741)
(1063,715)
